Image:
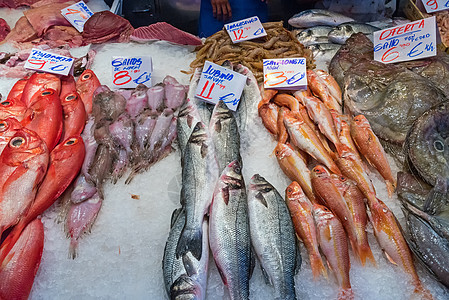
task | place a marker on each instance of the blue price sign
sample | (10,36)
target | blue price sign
(285,73)
(77,14)
(128,72)
(246,29)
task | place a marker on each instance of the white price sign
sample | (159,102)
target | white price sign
(49,62)
(77,14)
(405,42)
(432,6)
(285,73)
(246,29)
(128,72)
(218,83)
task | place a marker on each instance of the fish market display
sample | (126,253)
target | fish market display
(442,18)
(279,43)
(315,17)
(314,35)
(166,32)
(273,237)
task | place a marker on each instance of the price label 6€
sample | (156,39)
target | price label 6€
(218,83)
(128,72)
(246,29)
(49,62)
(77,14)
(285,73)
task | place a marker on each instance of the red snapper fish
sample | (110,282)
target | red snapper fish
(44,117)
(85,86)
(23,164)
(74,118)
(19,268)
(37,83)
(8,128)
(13,106)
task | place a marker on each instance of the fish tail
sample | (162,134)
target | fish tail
(422,292)
(317,266)
(73,248)
(191,240)
(333,168)
(345,294)
(340,148)
(365,254)
(390,188)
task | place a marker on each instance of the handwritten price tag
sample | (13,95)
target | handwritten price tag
(77,14)
(432,6)
(246,29)
(49,62)
(285,73)
(218,83)
(410,41)
(128,72)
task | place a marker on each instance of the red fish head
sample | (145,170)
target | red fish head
(38,82)
(320,171)
(72,146)
(360,120)
(12,107)
(293,190)
(282,150)
(321,212)
(23,146)
(9,124)
(69,101)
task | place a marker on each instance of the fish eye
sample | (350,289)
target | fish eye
(5,103)
(17,142)
(86,76)
(439,146)
(46,93)
(238,170)
(70,97)
(71,142)
(289,190)
(342,178)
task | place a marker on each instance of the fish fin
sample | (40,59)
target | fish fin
(191,240)
(390,188)
(203,150)
(298,258)
(190,121)
(345,294)
(18,172)
(265,276)
(261,198)
(327,233)
(365,254)
(334,169)
(174,216)
(222,275)
(189,265)
(437,197)
(218,126)
(316,263)
(252,262)
(226,194)
(422,291)
(390,259)
(73,248)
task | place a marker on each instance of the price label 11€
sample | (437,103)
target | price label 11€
(285,73)
(77,14)
(49,62)
(246,29)
(128,72)
(218,83)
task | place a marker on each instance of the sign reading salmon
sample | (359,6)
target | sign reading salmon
(218,83)
(432,6)
(77,14)
(285,73)
(128,72)
(246,29)
(49,62)
(414,40)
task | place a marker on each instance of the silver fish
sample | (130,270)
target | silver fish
(225,135)
(229,233)
(314,35)
(187,118)
(325,51)
(204,108)
(344,31)
(315,17)
(184,278)
(272,236)
(199,172)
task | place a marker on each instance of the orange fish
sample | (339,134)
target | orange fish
(334,245)
(355,201)
(18,270)
(267,95)
(282,131)
(23,164)
(287,101)
(269,114)
(294,166)
(306,139)
(389,235)
(44,117)
(85,86)
(300,209)
(370,147)
(319,87)
(37,83)
(331,83)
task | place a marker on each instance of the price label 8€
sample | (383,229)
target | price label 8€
(49,62)
(246,29)
(285,73)
(128,72)
(218,83)
(77,14)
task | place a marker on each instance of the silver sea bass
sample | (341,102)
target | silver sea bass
(186,277)
(273,236)
(188,117)
(199,175)
(229,234)
(225,135)
(315,17)
(344,31)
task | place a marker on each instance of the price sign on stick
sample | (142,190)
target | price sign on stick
(246,29)
(128,72)
(410,41)
(218,83)
(77,14)
(432,6)
(285,73)
(49,62)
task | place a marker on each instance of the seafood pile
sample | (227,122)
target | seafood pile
(129,130)
(42,151)
(321,151)
(278,43)
(442,18)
